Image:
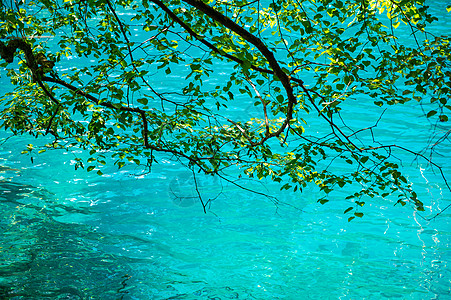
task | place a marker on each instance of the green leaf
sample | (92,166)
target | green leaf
(90,168)
(143,101)
(431,113)
(348,209)
(323,201)
(358,214)
(401,202)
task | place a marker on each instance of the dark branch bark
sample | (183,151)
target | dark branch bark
(7,52)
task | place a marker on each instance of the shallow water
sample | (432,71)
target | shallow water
(74,235)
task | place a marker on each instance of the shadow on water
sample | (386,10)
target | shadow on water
(41,258)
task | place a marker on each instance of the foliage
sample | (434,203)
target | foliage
(85,77)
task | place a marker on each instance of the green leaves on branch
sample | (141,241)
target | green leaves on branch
(227,86)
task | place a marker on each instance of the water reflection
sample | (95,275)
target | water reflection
(42,258)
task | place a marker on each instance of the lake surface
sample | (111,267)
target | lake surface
(74,235)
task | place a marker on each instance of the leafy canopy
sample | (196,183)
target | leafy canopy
(133,79)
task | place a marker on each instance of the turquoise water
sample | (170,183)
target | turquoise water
(70,235)
(74,235)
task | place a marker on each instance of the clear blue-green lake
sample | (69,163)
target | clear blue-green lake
(69,234)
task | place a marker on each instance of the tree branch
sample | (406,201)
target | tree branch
(249,37)
(209,45)
(246,35)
